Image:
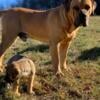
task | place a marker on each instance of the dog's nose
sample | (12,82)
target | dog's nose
(84,11)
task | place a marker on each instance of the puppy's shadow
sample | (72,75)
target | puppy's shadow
(90,54)
(41,48)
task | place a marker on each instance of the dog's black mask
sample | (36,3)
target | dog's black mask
(81,20)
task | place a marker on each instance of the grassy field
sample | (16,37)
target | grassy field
(82,83)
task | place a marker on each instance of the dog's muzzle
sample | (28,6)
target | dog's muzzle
(82,19)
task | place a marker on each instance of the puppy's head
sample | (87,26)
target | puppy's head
(80,11)
(11,73)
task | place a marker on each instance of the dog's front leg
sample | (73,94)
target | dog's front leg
(55,60)
(62,51)
(54,55)
(7,40)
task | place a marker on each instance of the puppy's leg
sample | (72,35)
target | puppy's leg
(30,84)
(62,51)
(16,88)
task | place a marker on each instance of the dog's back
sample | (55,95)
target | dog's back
(15,58)
(24,65)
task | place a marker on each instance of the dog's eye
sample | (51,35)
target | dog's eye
(76,8)
(87,7)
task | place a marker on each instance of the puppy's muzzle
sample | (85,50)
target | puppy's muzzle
(82,19)
(8,80)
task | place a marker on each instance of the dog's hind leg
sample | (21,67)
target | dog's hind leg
(63,49)
(7,40)
(54,56)
(1,60)
(10,30)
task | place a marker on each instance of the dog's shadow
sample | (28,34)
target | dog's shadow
(90,54)
(38,48)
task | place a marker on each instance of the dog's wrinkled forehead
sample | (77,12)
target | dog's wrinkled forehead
(81,3)
(88,5)
(75,3)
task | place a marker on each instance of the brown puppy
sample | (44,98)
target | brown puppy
(57,27)
(20,68)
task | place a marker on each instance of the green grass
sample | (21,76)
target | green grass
(82,83)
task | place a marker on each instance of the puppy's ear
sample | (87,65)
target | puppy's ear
(15,70)
(67,4)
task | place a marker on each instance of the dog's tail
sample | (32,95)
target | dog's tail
(23,36)
(2,12)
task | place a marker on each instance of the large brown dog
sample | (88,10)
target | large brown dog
(19,68)
(56,26)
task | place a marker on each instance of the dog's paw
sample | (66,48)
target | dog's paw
(66,68)
(32,93)
(59,73)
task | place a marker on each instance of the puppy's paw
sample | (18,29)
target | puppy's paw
(32,93)
(1,69)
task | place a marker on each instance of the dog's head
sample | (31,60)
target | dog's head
(11,73)
(80,11)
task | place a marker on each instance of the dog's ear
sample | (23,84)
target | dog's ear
(67,4)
